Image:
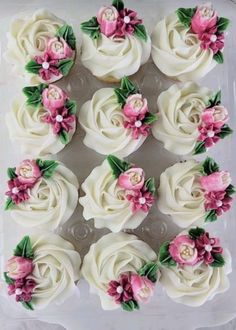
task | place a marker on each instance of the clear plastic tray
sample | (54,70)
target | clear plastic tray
(83,311)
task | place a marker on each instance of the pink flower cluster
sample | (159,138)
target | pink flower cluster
(117,23)
(204,24)
(131,286)
(133,181)
(212,120)
(187,251)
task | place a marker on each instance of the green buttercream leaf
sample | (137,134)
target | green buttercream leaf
(66,32)
(8,204)
(71,106)
(219,260)
(150,271)
(33,67)
(225,130)
(209,166)
(11,173)
(164,255)
(91,27)
(185,15)
(195,233)
(34,94)
(230,190)
(65,66)
(27,305)
(222,24)
(150,185)
(211,216)
(219,57)
(8,280)
(199,148)
(121,96)
(47,167)
(215,100)
(150,118)
(127,88)
(64,137)
(117,165)
(24,248)
(140,32)
(119,4)
(130,306)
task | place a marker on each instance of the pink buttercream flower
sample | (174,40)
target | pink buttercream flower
(132,179)
(137,127)
(28,172)
(141,200)
(210,39)
(208,134)
(217,181)
(60,119)
(135,105)
(23,289)
(18,191)
(217,115)
(53,97)
(218,201)
(204,18)
(121,290)
(183,250)
(19,267)
(49,66)
(58,49)
(107,19)
(142,288)
(126,22)
(207,245)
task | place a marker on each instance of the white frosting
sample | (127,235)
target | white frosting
(27,37)
(52,201)
(102,119)
(56,268)
(27,130)
(104,201)
(194,285)
(177,52)
(180,194)
(180,110)
(114,58)
(111,256)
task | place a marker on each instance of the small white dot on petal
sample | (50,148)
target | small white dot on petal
(138,123)
(142,200)
(126,19)
(59,118)
(45,65)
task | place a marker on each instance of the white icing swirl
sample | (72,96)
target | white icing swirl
(111,256)
(114,58)
(105,201)
(56,268)
(177,52)
(180,110)
(180,194)
(27,130)
(102,119)
(28,37)
(52,201)
(194,285)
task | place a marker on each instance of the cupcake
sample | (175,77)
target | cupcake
(117,195)
(187,44)
(115,43)
(41,193)
(194,192)
(191,119)
(42,122)
(121,270)
(41,47)
(42,270)
(116,120)
(194,267)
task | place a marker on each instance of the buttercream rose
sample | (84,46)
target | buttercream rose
(217,181)
(204,19)
(28,172)
(53,97)
(107,18)
(19,267)
(58,49)
(132,179)
(135,105)
(142,288)
(182,249)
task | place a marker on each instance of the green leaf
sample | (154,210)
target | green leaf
(149,118)
(230,190)
(11,173)
(128,86)
(71,106)
(150,185)
(8,204)
(215,100)
(140,32)
(150,271)
(91,27)
(164,255)
(64,137)
(225,130)
(27,305)
(33,67)
(66,32)
(219,57)
(121,96)
(34,94)
(117,165)
(199,148)
(209,166)
(47,167)
(219,260)
(24,248)
(185,15)
(211,216)
(194,233)
(130,306)
(222,24)
(119,4)
(8,280)
(65,66)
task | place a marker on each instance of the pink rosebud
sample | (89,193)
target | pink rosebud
(58,49)
(217,181)
(204,19)
(28,172)
(135,105)
(217,115)
(53,97)
(107,18)
(142,288)
(182,249)
(19,267)
(133,179)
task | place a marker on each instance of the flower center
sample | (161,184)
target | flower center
(57,46)
(18,292)
(119,289)
(53,94)
(138,123)
(210,134)
(126,19)
(208,248)
(213,38)
(219,203)
(15,190)
(59,118)
(137,104)
(135,178)
(142,200)
(144,293)
(207,12)
(26,172)
(45,65)
(186,252)
(109,15)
